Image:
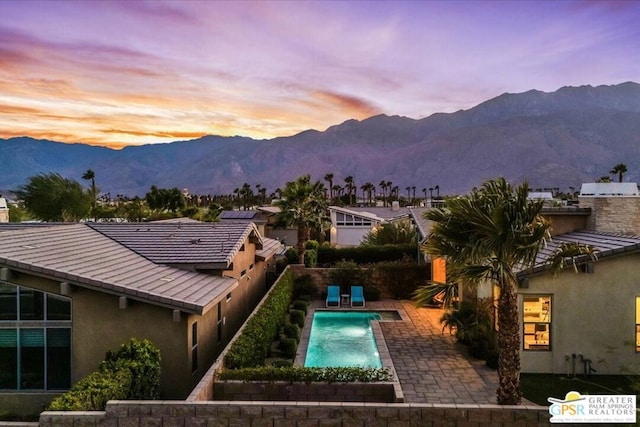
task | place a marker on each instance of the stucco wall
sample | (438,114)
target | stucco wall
(613,214)
(592,314)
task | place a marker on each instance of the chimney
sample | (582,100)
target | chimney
(615,207)
(395,205)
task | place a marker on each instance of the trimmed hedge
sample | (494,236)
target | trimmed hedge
(131,373)
(297,317)
(251,347)
(308,375)
(368,254)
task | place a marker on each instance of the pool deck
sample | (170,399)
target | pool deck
(431,367)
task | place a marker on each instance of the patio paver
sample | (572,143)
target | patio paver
(431,367)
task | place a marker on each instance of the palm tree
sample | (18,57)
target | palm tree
(303,205)
(350,186)
(437,188)
(367,188)
(90,175)
(619,169)
(329,178)
(384,186)
(488,235)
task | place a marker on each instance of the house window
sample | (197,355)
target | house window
(243,273)
(194,347)
(251,266)
(219,322)
(351,220)
(537,322)
(229,297)
(35,339)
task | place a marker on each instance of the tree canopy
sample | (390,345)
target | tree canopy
(486,236)
(50,197)
(303,205)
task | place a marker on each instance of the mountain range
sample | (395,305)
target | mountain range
(558,139)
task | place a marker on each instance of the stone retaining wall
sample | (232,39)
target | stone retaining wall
(307,414)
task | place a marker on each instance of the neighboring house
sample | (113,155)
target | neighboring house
(350,225)
(71,292)
(256,217)
(586,321)
(4,210)
(287,235)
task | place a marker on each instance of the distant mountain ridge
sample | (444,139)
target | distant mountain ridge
(557,139)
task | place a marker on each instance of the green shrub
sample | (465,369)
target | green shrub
(292,330)
(297,317)
(308,375)
(304,285)
(311,258)
(347,274)
(364,255)
(282,363)
(292,255)
(288,347)
(130,373)
(401,279)
(250,349)
(94,391)
(311,245)
(300,305)
(142,358)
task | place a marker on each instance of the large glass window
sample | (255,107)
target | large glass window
(352,220)
(35,339)
(537,322)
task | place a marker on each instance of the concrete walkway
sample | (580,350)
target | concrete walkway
(431,367)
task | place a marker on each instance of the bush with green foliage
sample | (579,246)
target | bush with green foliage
(251,347)
(292,330)
(291,255)
(401,279)
(297,317)
(472,324)
(304,285)
(131,373)
(308,375)
(288,347)
(300,305)
(364,255)
(311,258)
(396,233)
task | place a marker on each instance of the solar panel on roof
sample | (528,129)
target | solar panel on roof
(237,214)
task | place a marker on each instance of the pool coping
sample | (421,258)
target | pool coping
(383,350)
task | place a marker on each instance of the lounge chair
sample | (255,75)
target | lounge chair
(357,296)
(333,296)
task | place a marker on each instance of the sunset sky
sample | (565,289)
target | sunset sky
(116,73)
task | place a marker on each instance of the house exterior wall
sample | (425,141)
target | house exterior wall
(592,314)
(614,214)
(561,224)
(349,235)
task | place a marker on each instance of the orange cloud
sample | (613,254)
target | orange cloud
(169,134)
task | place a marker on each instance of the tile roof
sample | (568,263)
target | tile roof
(377,213)
(422,224)
(606,245)
(205,244)
(84,257)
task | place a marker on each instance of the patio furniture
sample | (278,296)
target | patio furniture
(333,296)
(357,296)
(345,298)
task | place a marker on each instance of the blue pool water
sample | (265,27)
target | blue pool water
(342,338)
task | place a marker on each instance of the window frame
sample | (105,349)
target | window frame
(537,327)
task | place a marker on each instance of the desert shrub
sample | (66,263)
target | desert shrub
(311,258)
(312,245)
(142,358)
(297,317)
(94,391)
(291,255)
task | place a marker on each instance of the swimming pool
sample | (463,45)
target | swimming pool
(343,338)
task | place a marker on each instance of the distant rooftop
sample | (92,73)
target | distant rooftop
(599,189)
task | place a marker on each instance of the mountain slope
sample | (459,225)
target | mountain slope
(557,139)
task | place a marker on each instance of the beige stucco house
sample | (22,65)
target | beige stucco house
(71,292)
(584,321)
(350,225)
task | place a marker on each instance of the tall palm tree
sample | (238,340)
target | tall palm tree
(303,205)
(368,189)
(90,175)
(619,169)
(329,178)
(487,235)
(350,186)
(383,185)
